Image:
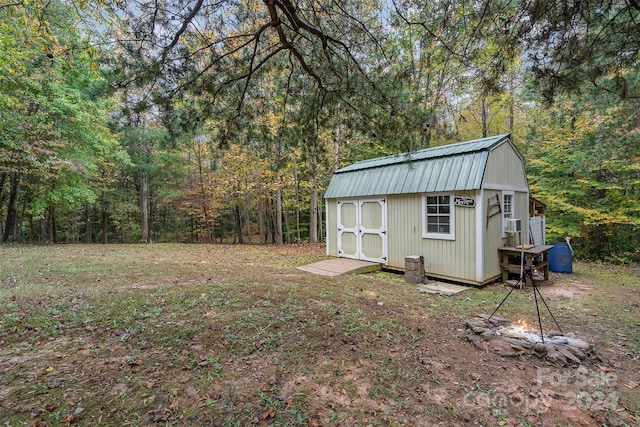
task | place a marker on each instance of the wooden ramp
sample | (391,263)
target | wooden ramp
(338,266)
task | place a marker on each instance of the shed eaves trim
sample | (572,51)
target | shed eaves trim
(454,167)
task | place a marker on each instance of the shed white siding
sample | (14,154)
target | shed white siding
(450,259)
(490,167)
(505,169)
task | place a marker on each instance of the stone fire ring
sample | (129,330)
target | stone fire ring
(502,337)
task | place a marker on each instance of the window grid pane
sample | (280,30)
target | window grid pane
(508,206)
(438,214)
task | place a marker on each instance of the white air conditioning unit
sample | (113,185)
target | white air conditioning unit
(513,226)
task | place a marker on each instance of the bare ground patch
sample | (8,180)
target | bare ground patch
(565,286)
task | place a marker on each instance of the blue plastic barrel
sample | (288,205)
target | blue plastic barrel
(561,258)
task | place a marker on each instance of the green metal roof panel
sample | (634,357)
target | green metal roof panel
(452,167)
(429,153)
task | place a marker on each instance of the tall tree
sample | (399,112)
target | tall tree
(142,143)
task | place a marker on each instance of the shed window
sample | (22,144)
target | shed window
(438,218)
(507,208)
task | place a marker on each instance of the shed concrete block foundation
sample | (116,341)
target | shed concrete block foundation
(414,269)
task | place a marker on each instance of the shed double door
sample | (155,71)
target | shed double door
(362,229)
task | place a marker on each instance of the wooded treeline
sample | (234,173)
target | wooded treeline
(203,121)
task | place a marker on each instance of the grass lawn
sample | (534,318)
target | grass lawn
(213,335)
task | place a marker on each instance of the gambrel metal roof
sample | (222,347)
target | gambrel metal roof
(451,167)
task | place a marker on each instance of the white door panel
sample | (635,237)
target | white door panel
(362,229)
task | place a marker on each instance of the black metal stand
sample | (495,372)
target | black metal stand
(536,292)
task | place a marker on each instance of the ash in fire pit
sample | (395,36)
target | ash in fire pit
(500,336)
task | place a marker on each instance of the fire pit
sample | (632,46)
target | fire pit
(501,336)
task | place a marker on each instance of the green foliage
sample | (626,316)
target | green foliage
(576,42)
(52,129)
(615,243)
(584,164)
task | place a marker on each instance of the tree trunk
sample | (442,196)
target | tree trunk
(297,193)
(336,147)
(313,201)
(436,94)
(484,117)
(261,216)
(511,103)
(72,227)
(278,231)
(203,199)
(11,225)
(144,207)
(32,232)
(320,222)
(155,217)
(247,223)
(238,221)
(89,226)
(42,230)
(104,218)
(3,195)
(287,229)
(272,223)
(20,218)
(53,225)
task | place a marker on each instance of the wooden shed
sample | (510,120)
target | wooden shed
(449,204)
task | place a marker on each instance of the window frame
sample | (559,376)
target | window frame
(505,194)
(451,235)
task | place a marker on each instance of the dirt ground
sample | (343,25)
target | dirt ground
(585,394)
(219,335)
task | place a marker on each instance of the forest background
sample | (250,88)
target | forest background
(222,121)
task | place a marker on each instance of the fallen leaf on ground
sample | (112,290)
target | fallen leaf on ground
(269,413)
